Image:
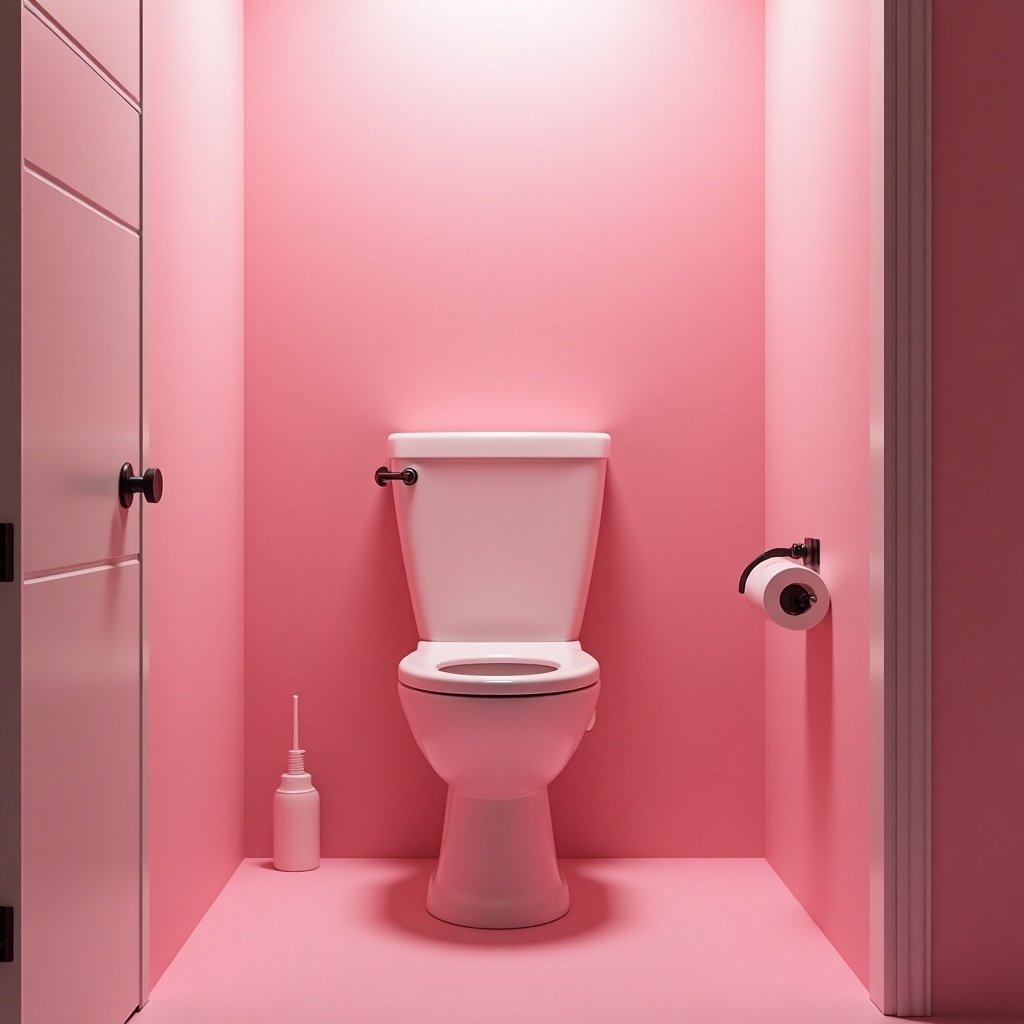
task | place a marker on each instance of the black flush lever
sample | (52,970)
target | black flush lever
(384,476)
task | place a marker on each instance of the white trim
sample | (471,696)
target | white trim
(901,638)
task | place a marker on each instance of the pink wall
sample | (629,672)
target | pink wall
(978,366)
(817,332)
(192,233)
(532,215)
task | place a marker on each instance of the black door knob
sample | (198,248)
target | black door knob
(150,485)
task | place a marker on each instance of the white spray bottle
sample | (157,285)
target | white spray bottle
(296,811)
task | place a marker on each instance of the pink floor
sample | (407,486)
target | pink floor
(647,942)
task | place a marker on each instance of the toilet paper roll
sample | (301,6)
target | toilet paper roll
(789,594)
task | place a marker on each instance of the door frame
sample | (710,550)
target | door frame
(143,603)
(144,986)
(900,880)
(10,483)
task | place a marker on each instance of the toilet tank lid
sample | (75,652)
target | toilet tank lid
(499,444)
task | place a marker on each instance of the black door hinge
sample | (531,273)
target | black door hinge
(6,935)
(6,552)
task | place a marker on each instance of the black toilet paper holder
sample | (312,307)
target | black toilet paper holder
(809,552)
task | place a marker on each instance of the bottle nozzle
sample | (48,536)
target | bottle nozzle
(296,756)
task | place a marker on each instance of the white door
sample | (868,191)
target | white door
(81,851)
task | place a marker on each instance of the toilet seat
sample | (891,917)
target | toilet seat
(498,669)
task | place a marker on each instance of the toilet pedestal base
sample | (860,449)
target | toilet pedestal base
(497,867)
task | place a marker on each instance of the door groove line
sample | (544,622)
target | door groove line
(65,189)
(34,8)
(84,568)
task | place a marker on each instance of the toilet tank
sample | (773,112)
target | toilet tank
(499,531)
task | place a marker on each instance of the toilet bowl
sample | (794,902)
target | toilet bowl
(498,722)
(498,535)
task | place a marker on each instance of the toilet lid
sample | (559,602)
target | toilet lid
(498,669)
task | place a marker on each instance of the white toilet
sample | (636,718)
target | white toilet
(498,534)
